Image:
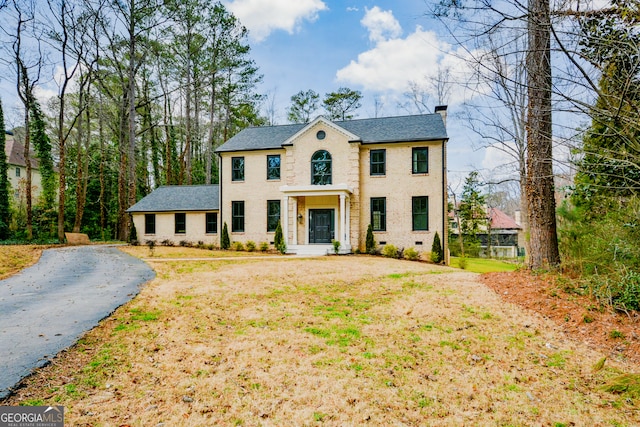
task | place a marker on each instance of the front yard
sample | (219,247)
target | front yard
(350,340)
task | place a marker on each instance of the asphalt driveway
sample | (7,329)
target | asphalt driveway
(47,307)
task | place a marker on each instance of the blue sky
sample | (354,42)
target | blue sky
(377,47)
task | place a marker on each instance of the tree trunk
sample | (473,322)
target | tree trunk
(540,188)
(83,169)
(131,154)
(27,162)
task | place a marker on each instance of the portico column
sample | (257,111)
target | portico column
(348,222)
(285,220)
(294,204)
(343,222)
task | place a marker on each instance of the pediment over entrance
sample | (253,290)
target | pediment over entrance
(316,190)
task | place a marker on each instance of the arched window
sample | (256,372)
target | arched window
(321,168)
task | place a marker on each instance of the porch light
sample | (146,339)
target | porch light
(300,218)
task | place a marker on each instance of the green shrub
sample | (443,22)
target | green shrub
(462,263)
(370,241)
(336,246)
(278,240)
(264,246)
(167,242)
(390,251)
(225,242)
(411,254)
(620,292)
(238,246)
(437,253)
(250,245)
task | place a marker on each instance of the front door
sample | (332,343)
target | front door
(321,225)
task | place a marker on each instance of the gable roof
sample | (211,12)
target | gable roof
(500,220)
(15,153)
(179,198)
(425,127)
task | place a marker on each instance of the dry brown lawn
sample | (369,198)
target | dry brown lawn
(348,340)
(14,258)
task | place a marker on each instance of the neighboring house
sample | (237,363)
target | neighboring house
(17,169)
(506,235)
(328,180)
(186,213)
(504,232)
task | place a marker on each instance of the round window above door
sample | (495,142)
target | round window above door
(321,134)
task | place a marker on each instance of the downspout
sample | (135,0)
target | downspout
(220,198)
(445,203)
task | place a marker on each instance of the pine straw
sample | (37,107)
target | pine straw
(333,341)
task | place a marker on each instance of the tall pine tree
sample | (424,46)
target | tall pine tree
(4,182)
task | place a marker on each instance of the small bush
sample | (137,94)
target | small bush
(370,241)
(411,254)
(357,251)
(463,263)
(437,253)
(278,240)
(619,292)
(264,246)
(200,244)
(211,246)
(186,244)
(250,245)
(167,242)
(134,243)
(225,242)
(152,247)
(390,251)
(238,246)
(336,246)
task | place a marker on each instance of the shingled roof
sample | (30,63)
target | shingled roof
(500,220)
(180,198)
(425,127)
(15,153)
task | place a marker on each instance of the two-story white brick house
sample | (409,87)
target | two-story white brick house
(328,180)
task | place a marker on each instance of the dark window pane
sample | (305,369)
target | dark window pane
(420,211)
(321,168)
(420,160)
(150,224)
(181,223)
(377,161)
(379,213)
(237,168)
(237,217)
(273,214)
(212,223)
(273,167)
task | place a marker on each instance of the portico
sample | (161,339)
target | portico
(316,215)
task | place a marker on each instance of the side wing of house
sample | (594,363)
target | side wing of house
(178,214)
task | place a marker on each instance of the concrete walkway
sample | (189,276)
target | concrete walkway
(47,307)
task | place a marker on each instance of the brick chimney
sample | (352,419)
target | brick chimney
(442,110)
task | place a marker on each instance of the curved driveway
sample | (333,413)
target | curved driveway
(47,307)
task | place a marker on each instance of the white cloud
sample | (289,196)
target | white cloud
(394,63)
(382,25)
(262,17)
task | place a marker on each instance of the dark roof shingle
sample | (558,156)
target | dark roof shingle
(426,127)
(179,198)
